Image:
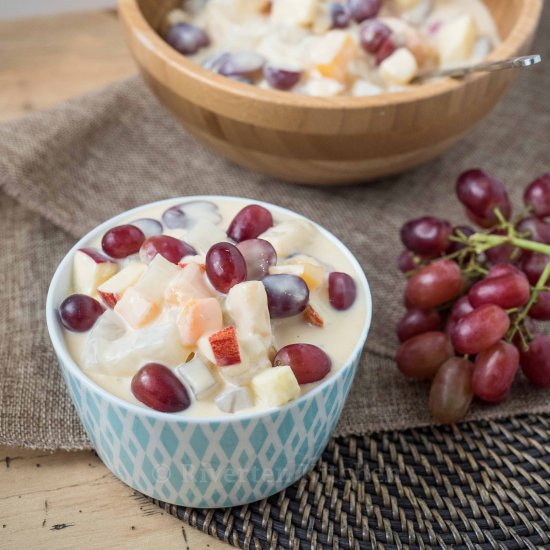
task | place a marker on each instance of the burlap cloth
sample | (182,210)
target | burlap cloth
(65,170)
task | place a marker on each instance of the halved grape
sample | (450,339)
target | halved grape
(535,362)
(452,391)
(160,389)
(287,295)
(537,195)
(187,214)
(507,291)
(79,312)
(428,236)
(421,356)
(364,9)
(168,247)
(309,363)
(435,284)
(495,370)
(480,329)
(250,223)
(225,266)
(148,226)
(342,290)
(281,79)
(259,256)
(418,321)
(372,33)
(186,38)
(122,241)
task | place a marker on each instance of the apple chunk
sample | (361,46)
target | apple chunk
(91,269)
(225,347)
(112,290)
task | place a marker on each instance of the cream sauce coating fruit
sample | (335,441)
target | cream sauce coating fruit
(212,308)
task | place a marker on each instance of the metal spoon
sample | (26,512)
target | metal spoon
(459,72)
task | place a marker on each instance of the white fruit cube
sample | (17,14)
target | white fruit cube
(399,68)
(204,234)
(197,318)
(234,400)
(312,274)
(363,88)
(289,237)
(456,39)
(136,309)
(275,386)
(112,290)
(189,283)
(332,53)
(91,269)
(158,276)
(197,376)
(293,12)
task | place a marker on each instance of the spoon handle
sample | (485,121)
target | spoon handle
(458,72)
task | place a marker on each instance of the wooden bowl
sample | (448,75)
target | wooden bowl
(322,140)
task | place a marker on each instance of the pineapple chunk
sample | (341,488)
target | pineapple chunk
(456,39)
(332,54)
(399,68)
(313,275)
(275,387)
(289,237)
(293,12)
(136,309)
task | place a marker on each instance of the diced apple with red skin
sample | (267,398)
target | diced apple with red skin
(197,318)
(136,308)
(189,283)
(90,269)
(112,290)
(225,347)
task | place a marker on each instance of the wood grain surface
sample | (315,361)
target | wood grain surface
(70,500)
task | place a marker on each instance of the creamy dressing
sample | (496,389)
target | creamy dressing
(338,337)
(300,37)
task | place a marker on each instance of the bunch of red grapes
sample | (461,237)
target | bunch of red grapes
(473,297)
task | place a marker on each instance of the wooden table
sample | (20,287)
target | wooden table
(70,500)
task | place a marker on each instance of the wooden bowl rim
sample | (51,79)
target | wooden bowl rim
(132,15)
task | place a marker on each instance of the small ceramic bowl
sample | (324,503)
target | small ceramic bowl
(315,139)
(203,462)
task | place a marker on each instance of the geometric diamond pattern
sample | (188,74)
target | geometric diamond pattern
(211,463)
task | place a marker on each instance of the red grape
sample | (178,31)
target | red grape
(405,262)
(79,312)
(168,247)
(507,291)
(418,321)
(186,38)
(481,193)
(536,229)
(503,268)
(455,246)
(427,236)
(159,388)
(541,309)
(225,266)
(461,308)
(385,50)
(342,290)
(533,264)
(452,392)
(281,79)
(364,9)
(122,241)
(340,15)
(287,295)
(535,362)
(259,256)
(372,34)
(537,195)
(435,284)
(421,356)
(250,223)
(480,329)
(495,370)
(502,253)
(308,362)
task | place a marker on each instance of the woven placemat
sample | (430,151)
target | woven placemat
(480,484)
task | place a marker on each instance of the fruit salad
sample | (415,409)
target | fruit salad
(212,308)
(331,47)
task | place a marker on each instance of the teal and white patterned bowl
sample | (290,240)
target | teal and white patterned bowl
(203,462)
